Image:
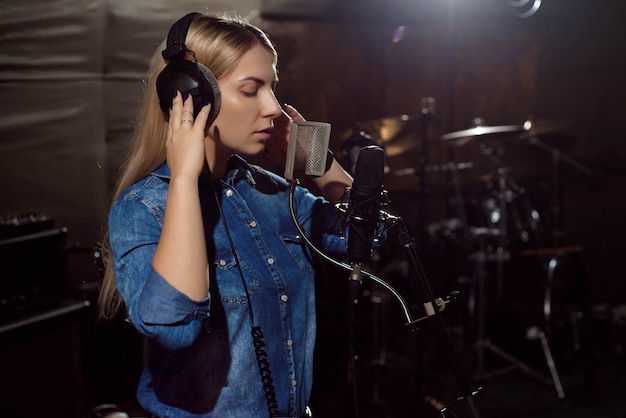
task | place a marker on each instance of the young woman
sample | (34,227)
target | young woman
(204,257)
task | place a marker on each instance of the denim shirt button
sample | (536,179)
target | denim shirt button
(284,298)
(229,193)
(294,382)
(289,342)
(222,262)
(271,260)
(252,224)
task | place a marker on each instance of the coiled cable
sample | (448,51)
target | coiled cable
(257,335)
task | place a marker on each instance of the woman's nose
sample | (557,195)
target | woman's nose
(273,108)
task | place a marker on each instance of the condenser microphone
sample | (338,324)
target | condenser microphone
(307,149)
(365,195)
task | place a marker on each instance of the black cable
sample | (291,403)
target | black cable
(264,369)
(257,335)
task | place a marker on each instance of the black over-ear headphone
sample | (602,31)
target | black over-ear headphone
(188,77)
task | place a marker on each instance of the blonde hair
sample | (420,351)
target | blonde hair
(216,42)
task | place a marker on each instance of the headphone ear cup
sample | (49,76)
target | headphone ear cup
(189,78)
(212,90)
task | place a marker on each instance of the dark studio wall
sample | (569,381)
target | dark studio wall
(71,77)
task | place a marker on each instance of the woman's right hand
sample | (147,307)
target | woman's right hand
(185,138)
(180,256)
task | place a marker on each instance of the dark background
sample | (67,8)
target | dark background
(71,78)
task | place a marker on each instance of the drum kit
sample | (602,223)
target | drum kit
(510,202)
(503,201)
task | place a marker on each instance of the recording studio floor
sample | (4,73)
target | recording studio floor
(599,392)
(592,377)
(600,396)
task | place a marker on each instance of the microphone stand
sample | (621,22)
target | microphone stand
(465,405)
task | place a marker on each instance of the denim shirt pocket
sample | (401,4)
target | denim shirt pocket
(229,281)
(297,247)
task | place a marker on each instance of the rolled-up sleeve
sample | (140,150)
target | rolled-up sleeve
(156,309)
(161,304)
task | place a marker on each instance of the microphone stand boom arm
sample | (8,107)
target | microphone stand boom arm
(466,402)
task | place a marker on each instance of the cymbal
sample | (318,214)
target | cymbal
(481,130)
(396,134)
(553,134)
(549,132)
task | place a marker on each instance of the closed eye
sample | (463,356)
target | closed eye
(252,85)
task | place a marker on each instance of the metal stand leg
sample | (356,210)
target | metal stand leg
(534,333)
(482,343)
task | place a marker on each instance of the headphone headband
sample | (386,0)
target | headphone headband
(176,48)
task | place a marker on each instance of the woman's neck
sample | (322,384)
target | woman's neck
(218,164)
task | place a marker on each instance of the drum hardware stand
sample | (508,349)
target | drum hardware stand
(557,157)
(482,343)
(458,199)
(500,256)
(533,333)
(427,116)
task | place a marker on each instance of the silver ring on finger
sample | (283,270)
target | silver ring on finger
(186,121)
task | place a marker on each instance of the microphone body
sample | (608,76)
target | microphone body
(365,197)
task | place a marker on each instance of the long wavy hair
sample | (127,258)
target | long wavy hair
(218,43)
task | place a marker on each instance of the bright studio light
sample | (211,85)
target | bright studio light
(525,8)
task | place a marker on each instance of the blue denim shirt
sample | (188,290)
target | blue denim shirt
(201,360)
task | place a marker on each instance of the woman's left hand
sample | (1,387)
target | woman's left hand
(276,147)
